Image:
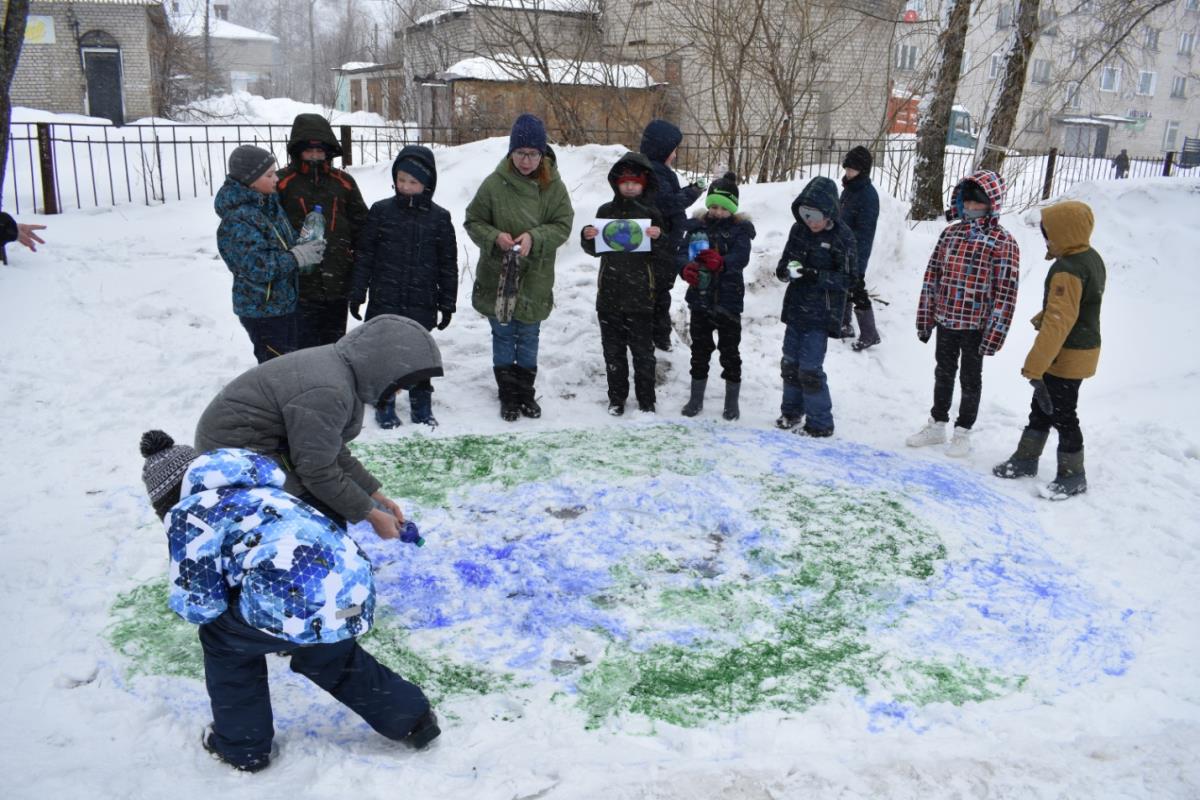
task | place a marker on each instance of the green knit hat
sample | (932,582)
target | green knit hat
(724,193)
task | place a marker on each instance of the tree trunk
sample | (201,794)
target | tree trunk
(994,138)
(312,52)
(929,172)
(11,41)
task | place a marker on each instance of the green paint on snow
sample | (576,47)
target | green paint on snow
(152,636)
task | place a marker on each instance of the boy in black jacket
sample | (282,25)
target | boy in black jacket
(408,260)
(721,238)
(627,284)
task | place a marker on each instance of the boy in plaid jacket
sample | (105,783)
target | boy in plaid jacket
(968,296)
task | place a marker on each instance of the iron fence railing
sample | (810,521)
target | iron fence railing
(54,167)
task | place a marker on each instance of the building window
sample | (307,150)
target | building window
(1146,82)
(1191,5)
(1171,135)
(1151,38)
(1187,41)
(906,57)
(1037,121)
(966,63)
(220,11)
(996,66)
(1041,71)
(1074,96)
(1048,22)
(1178,86)
(1006,17)
(1110,79)
(1085,7)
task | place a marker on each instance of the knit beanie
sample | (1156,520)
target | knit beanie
(723,192)
(632,176)
(166,463)
(973,192)
(527,131)
(413,167)
(248,163)
(858,158)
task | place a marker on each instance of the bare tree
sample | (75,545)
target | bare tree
(930,169)
(997,132)
(13,38)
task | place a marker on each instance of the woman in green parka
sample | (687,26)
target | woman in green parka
(523,204)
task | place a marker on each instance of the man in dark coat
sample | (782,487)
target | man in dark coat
(660,140)
(308,181)
(860,212)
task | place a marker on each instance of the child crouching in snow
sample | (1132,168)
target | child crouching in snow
(626,285)
(262,572)
(716,290)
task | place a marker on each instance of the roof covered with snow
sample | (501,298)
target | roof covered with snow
(351,66)
(563,71)
(554,6)
(193,25)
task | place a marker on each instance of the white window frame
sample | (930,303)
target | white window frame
(1142,89)
(1115,72)
(1039,71)
(1187,43)
(966,62)
(1171,135)
(1191,5)
(1179,86)
(1151,38)
(906,57)
(996,66)
(1037,121)
(1011,21)
(1074,95)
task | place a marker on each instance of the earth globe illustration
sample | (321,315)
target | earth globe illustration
(622,235)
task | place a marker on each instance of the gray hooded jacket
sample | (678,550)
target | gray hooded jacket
(302,409)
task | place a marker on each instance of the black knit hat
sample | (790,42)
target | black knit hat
(858,158)
(414,167)
(973,192)
(723,192)
(248,163)
(166,463)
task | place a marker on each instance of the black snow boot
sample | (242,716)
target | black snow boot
(1070,480)
(868,334)
(525,379)
(731,401)
(1024,462)
(695,403)
(424,732)
(847,325)
(506,389)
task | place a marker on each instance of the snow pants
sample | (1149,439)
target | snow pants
(953,347)
(628,333)
(320,322)
(235,672)
(728,329)
(1064,392)
(271,336)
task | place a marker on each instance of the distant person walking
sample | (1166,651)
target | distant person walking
(1121,164)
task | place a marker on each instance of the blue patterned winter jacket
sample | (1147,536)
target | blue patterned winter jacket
(300,577)
(254,238)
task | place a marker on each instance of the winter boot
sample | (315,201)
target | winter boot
(385,415)
(934,432)
(524,381)
(507,391)
(1024,462)
(421,404)
(817,433)
(731,401)
(868,335)
(1070,480)
(252,764)
(424,732)
(616,409)
(847,325)
(960,443)
(695,403)
(786,421)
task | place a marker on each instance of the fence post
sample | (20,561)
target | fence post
(46,157)
(1168,162)
(347,147)
(1048,184)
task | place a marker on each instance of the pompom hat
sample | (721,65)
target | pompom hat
(166,463)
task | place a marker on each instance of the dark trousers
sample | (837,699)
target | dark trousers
(954,347)
(1064,392)
(728,330)
(662,315)
(320,322)
(618,333)
(235,672)
(271,336)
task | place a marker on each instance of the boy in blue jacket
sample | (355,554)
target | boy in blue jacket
(260,572)
(407,259)
(717,291)
(258,244)
(819,263)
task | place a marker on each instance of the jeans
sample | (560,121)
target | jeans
(320,322)
(953,346)
(628,332)
(1064,392)
(728,329)
(515,343)
(271,336)
(235,673)
(805,387)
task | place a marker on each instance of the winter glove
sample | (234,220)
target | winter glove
(444,322)
(711,260)
(354,307)
(308,254)
(1042,395)
(691,273)
(801,273)
(924,336)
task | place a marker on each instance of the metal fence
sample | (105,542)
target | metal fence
(55,167)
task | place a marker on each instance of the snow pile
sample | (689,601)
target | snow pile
(243,108)
(1045,650)
(505,67)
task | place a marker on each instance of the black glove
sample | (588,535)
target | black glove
(924,336)
(1042,395)
(444,322)
(354,307)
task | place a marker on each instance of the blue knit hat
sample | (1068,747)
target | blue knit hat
(413,167)
(527,131)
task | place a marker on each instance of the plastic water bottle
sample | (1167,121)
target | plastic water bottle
(696,243)
(313,226)
(410,535)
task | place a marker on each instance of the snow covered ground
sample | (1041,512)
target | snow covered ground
(1077,620)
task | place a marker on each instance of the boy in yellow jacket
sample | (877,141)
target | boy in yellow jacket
(1066,350)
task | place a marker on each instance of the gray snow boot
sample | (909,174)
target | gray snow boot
(731,401)
(868,334)
(1024,462)
(695,403)
(1070,480)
